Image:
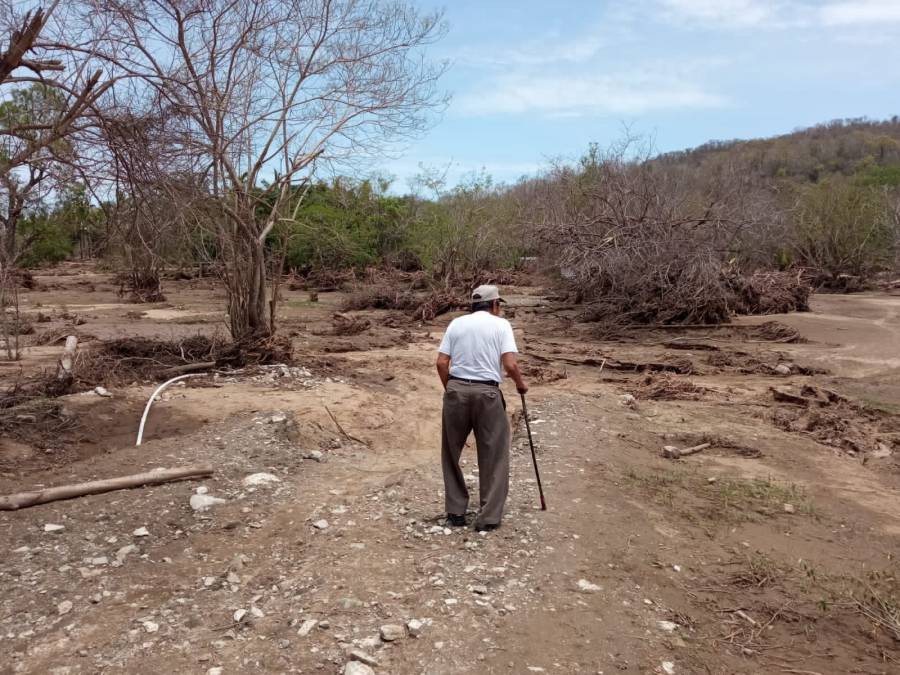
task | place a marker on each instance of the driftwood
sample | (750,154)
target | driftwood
(25,499)
(693,346)
(187,368)
(64,368)
(671,452)
(613,364)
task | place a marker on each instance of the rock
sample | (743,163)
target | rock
(141,532)
(668,667)
(789,508)
(99,561)
(321,524)
(215,671)
(256,612)
(782,369)
(202,490)
(123,552)
(480,590)
(232,578)
(261,479)
(64,607)
(363,657)
(667,626)
(316,455)
(371,642)
(883,452)
(415,627)
(586,586)
(357,668)
(204,502)
(102,391)
(277,418)
(53,527)
(306,627)
(150,626)
(239,615)
(391,632)
(628,401)
(350,603)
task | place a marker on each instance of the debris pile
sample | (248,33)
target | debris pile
(667,387)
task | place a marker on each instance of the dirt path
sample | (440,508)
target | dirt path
(742,559)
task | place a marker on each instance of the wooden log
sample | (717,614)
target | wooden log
(64,370)
(25,499)
(671,452)
(187,368)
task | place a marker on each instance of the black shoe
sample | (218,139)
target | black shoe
(456,521)
(487,527)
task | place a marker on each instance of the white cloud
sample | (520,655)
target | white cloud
(780,13)
(548,50)
(726,12)
(572,95)
(855,12)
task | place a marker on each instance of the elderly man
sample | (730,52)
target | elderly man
(472,353)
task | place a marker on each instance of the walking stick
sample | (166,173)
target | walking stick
(533,456)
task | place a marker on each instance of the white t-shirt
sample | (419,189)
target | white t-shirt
(475,342)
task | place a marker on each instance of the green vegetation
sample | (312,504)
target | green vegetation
(689,495)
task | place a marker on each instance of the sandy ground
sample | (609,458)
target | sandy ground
(767,552)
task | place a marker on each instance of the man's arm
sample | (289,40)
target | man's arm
(443,368)
(511,366)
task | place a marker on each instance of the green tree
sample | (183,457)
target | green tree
(842,227)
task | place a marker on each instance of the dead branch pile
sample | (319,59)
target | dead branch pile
(381,297)
(34,420)
(25,279)
(322,279)
(541,374)
(140,287)
(42,386)
(768,292)
(666,387)
(349,325)
(775,331)
(420,308)
(140,358)
(837,422)
(54,336)
(437,303)
(642,244)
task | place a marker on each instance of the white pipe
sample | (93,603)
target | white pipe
(156,393)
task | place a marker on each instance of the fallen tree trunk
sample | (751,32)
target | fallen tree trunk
(67,360)
(25,499)
(187,368)
(671,452)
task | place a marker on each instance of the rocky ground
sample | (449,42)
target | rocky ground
(771,550)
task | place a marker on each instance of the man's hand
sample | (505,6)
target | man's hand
(511,365)
(443,368)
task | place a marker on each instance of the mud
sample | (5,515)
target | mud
(765,552)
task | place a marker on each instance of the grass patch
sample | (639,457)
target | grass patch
(765,497)
(692,496)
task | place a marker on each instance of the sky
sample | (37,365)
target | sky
(533,81)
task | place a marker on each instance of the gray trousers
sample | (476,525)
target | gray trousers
(478,408)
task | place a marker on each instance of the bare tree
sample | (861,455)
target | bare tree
(261,91)
(48,84)
(641,242)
